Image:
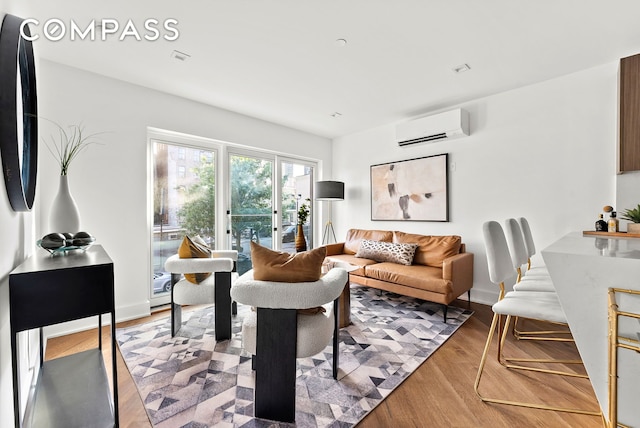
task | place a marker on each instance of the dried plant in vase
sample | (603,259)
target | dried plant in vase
(64,216)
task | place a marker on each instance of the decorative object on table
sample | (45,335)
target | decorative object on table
(601,225)
(303,215)
(411,190)
(60,243)
(607,209)
(632,215)
(329,191)
(613,224)
(19,153)
(71,142)
(390,336)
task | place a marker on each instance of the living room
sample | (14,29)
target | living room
(546,151)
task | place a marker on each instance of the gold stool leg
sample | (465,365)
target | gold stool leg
(483,361)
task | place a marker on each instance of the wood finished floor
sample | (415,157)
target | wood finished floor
(438,394)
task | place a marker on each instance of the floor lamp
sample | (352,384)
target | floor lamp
(329,191)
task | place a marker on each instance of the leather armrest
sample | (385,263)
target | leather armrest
(335,249)
(459,270)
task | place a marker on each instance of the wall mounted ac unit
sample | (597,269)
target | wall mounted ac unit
(441,126)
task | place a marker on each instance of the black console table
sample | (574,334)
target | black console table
(71,391)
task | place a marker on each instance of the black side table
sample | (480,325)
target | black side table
(71,391)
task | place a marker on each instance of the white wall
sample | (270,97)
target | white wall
(109,181)
(545,152)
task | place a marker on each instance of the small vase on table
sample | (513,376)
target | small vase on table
(64,216)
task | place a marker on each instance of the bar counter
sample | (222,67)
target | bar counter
(582,269)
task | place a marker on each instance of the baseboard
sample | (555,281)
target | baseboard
(125,313)
(483,297)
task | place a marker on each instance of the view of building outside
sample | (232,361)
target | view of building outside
(183,203)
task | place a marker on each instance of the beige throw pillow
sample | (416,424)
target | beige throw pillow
(387,252)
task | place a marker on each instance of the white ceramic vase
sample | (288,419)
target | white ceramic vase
(64,216)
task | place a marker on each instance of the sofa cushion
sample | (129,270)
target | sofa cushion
(432,250)
(276,266)
(353,260)
(387,252)
(420,277)
(355,236)
(194,248)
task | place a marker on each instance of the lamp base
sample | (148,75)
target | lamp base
(328,228)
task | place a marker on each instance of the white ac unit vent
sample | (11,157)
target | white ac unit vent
(447,125)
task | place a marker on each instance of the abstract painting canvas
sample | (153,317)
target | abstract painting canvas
(411,190)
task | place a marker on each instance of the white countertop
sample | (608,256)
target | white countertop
(582,269)
(591,245)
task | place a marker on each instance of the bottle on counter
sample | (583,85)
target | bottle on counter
(613,222)
(601,225)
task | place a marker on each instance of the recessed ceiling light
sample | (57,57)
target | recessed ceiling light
(341,42)
(180,56)
(461,68)
(336,114)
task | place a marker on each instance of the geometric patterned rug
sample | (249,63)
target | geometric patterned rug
(192,381)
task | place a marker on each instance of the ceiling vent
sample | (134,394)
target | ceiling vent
(441,126)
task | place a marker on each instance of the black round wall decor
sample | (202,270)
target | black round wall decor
(18,112)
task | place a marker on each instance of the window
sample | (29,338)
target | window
(183,204)
(256,199)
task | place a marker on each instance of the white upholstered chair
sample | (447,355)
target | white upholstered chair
(536,281)
(276,334)
(530,246)
(537,305)
(215,289)
(530,280)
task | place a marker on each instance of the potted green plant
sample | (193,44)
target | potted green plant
(632,215)
(303,215)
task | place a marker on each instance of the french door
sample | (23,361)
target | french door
(262,208)
(206,188)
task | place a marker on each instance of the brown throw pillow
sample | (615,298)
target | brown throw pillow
(432,250)
(269,265)
(194,248)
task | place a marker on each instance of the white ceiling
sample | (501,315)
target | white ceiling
(277,59)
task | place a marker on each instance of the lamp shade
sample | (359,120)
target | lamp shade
(329,191)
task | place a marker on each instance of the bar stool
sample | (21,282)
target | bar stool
(530,246)
(537,305)
(530,280)
(619,340)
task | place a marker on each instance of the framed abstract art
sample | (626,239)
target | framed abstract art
(411,190)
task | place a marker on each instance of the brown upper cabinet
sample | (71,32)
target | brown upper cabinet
(629,150)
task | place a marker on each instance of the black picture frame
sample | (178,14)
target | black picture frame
(411,190)
(18,103)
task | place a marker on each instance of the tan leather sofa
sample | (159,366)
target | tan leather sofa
(441,270)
